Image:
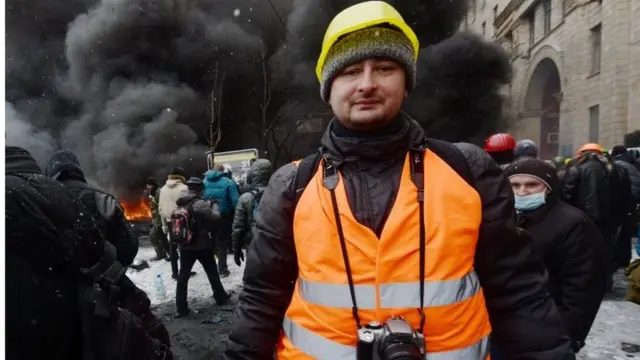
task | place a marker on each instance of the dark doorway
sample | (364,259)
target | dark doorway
(544,94)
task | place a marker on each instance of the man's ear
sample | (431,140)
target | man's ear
(406,93)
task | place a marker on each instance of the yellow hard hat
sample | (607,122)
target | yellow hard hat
(361,16)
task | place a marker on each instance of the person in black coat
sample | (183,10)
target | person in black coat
(206,215)
(64,167)
(568,241)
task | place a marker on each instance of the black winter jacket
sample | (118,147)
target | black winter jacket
(629,163)
(105,209)
(42,217)
(206,214)
(588,185)
(523,315)
(571,247)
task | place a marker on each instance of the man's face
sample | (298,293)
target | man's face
(526,185)
(368,94)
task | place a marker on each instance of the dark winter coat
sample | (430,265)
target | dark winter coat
(206,214)
(42,218)
(223,190)
(588,185)
(571,247)
(523,316)
(105,209)
(628,162)
(258,178)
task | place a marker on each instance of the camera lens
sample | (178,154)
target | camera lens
(401,351)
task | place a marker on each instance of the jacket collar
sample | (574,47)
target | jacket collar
(394,142)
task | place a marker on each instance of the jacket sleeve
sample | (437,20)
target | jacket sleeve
(118,231)
(570,185)
(270,274)
(233,193)
(580,279)
(241,219)
(208,211)
(161,210)
(525,321)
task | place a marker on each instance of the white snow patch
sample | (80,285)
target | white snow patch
(617,322)
(198,288)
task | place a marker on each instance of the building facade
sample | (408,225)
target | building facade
(576,68)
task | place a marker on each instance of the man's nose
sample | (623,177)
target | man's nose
(367,82)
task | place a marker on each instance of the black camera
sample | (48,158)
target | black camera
(393,340)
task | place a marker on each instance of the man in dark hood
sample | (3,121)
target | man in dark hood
(50,237)
(258,178)
(105,209)
(622,158)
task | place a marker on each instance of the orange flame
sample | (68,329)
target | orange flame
(137,211)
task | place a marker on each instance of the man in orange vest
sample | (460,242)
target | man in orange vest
(386,244)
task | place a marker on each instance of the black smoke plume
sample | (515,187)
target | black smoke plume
(126,83)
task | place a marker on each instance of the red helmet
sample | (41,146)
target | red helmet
(499,142)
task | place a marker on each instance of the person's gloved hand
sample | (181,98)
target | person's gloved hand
(238,256)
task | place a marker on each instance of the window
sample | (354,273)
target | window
(546,6)
(495,12)
(532,29)
(594,123)
(596,48)
(484,28)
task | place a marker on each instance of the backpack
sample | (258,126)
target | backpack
(114,315)
(445,150)
(182,225)
(257,196)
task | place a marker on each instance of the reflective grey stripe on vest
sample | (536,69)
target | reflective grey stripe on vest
(392,295)
(324,349)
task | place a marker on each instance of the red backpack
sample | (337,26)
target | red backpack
(182,226)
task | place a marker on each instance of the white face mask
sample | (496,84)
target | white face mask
(530,202)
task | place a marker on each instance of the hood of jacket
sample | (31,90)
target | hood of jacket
(259,173)
(626,157)
(185,200)
(388,143)
(213,175)
(19,160)
(64,165)
(174,180)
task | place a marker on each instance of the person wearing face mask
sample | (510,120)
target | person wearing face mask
(568,241)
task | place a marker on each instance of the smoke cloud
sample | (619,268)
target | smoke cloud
(126,83)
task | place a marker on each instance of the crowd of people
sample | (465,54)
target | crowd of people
(384,244)
(222,222)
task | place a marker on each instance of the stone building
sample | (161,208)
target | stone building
(576,68)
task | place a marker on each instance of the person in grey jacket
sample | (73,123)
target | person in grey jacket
(205,214)
(258,178)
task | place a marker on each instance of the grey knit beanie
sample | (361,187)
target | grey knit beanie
(365,44)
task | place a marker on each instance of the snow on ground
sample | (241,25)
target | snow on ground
(202,335)
(198,285)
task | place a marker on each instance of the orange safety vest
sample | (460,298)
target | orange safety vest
(319,323)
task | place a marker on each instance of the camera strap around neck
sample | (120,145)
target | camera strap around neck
(330,181)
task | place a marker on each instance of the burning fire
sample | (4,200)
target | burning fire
(137,211)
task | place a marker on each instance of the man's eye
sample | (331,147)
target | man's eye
(351,72)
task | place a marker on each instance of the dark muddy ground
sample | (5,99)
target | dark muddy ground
(203,333)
